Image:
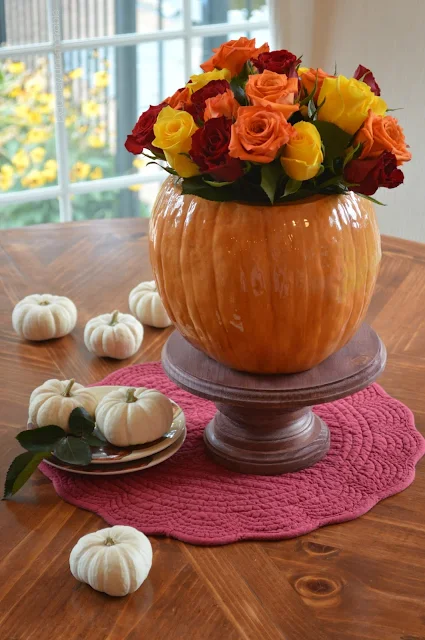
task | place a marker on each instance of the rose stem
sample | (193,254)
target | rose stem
(114,319)
(69,386)
(130,396)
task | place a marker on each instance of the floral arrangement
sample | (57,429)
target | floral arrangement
(257,126)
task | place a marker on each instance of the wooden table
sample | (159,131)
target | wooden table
(358,580)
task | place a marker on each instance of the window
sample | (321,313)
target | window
(75,75)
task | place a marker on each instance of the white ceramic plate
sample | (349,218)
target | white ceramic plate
(122,467)
(111,454)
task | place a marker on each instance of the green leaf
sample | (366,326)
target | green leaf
(353,153)
(94,441)
(73,450)
(371,199)
(217,184)
(270,175)
(40,439)
(238,91)
(80,422)
(20,470)
(167,169)
(335,140)
(311,109)
(292,186)
(312,93)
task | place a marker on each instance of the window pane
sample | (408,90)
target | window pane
(85,18)
(25,22)
(216,11)
(27,125)
(20,215)
(135,201)
(105,91)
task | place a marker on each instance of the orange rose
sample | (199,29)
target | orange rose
(179,98)
(308,78)
(232,55)
(382,133)
(224,104)
(258,134)
(274,89)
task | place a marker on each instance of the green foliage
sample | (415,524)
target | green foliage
(43,442)
(20,470)
(334,139)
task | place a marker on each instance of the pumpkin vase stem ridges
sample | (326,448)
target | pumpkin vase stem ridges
(265,289)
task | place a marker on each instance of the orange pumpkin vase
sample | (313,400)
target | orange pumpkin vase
(265,289)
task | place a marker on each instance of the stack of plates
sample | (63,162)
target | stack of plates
(110,460)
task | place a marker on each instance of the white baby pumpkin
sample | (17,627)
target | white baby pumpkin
(146,304)
(115,561)
(44,316)
(53,401)
(134,416)
(113,335)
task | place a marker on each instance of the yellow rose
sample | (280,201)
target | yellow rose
(200,80)
(302,155)
(173,131)
(348,102)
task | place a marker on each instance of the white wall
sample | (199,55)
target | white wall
(388,37)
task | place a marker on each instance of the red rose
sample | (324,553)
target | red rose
(281,61)
(142,135)
(210,150)
(372,173)
(198,99)
(365,75)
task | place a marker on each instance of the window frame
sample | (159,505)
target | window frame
(54,49)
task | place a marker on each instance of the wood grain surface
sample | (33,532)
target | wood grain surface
(361,580)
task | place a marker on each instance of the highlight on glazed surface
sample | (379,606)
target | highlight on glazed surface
(265,289)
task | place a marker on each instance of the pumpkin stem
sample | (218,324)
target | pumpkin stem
(68,388)
(130,396)
(114,319)
(109,542)
(44,303)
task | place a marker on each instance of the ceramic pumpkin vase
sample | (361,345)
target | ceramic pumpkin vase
(265,289)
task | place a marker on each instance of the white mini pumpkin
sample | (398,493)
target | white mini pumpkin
(130,416)
(146,304)
(113,335)
(116,560)
(53,401)
(44,316)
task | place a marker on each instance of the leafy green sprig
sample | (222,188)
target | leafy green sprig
(72,447)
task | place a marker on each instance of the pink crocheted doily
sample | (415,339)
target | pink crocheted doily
(374,449)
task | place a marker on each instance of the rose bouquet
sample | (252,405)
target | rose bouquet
(256,126)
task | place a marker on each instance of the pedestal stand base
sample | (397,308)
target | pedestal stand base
(264,424)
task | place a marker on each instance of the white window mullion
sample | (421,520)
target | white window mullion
(56,66)
(187,27)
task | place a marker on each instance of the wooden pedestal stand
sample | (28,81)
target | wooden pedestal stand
(264,423)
